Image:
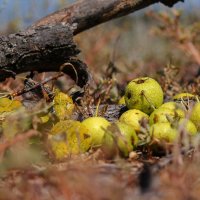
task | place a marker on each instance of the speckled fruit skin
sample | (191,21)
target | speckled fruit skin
(69,138)
(133,118)
(96,129)
(172,105)
(59,149)
(183,96)
(188,125)
(123,138)
(144,94)
(164,114)
(195,115)
(163,131)
(128,139)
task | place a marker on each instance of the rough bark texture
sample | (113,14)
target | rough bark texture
(48,44)
(45,48)
(85,14)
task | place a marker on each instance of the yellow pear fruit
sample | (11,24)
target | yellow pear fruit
(128,139)
(188,125)
(163,131)
(195,115)
(119,136)
(96,129)
(184,96)
(69,137)
(164,114)
(144,94)
(133,117)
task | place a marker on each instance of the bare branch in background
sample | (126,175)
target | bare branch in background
(85,14)
(48,43)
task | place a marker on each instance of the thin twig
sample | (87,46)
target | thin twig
(25,90)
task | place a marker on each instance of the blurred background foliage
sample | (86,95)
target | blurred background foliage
(157,41)
(128,43)
(21,13)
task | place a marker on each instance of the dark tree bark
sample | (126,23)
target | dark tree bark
(85,14)
(45,48)
(48,43)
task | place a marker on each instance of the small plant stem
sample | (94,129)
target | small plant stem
(97,109)
(197,98)
(142,93)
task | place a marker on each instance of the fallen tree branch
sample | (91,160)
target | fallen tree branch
(85,14)
(43,49)
(48,43)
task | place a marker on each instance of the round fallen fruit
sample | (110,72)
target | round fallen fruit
(127,140)
(63,105)
(195,115)
(68,138)
(164,114)
(134,117)
(172,105)
(188,125)
(184,96)
(8,105)
(96,129)
(163,131)
(144,94)
(124,136)
(59,149)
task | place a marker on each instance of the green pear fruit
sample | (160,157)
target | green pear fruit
(163,131)
(144,94)
(188,125)
(69,137)
(195,115)
(96,128)
(184,96)
(128,139)
(120,136)
(172,105)
(165,114)
(133,117)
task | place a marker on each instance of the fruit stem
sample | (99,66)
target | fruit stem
(97,109)
(142,93)
(197,98)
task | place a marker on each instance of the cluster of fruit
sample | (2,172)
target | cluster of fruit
(144,99)
(147,117)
